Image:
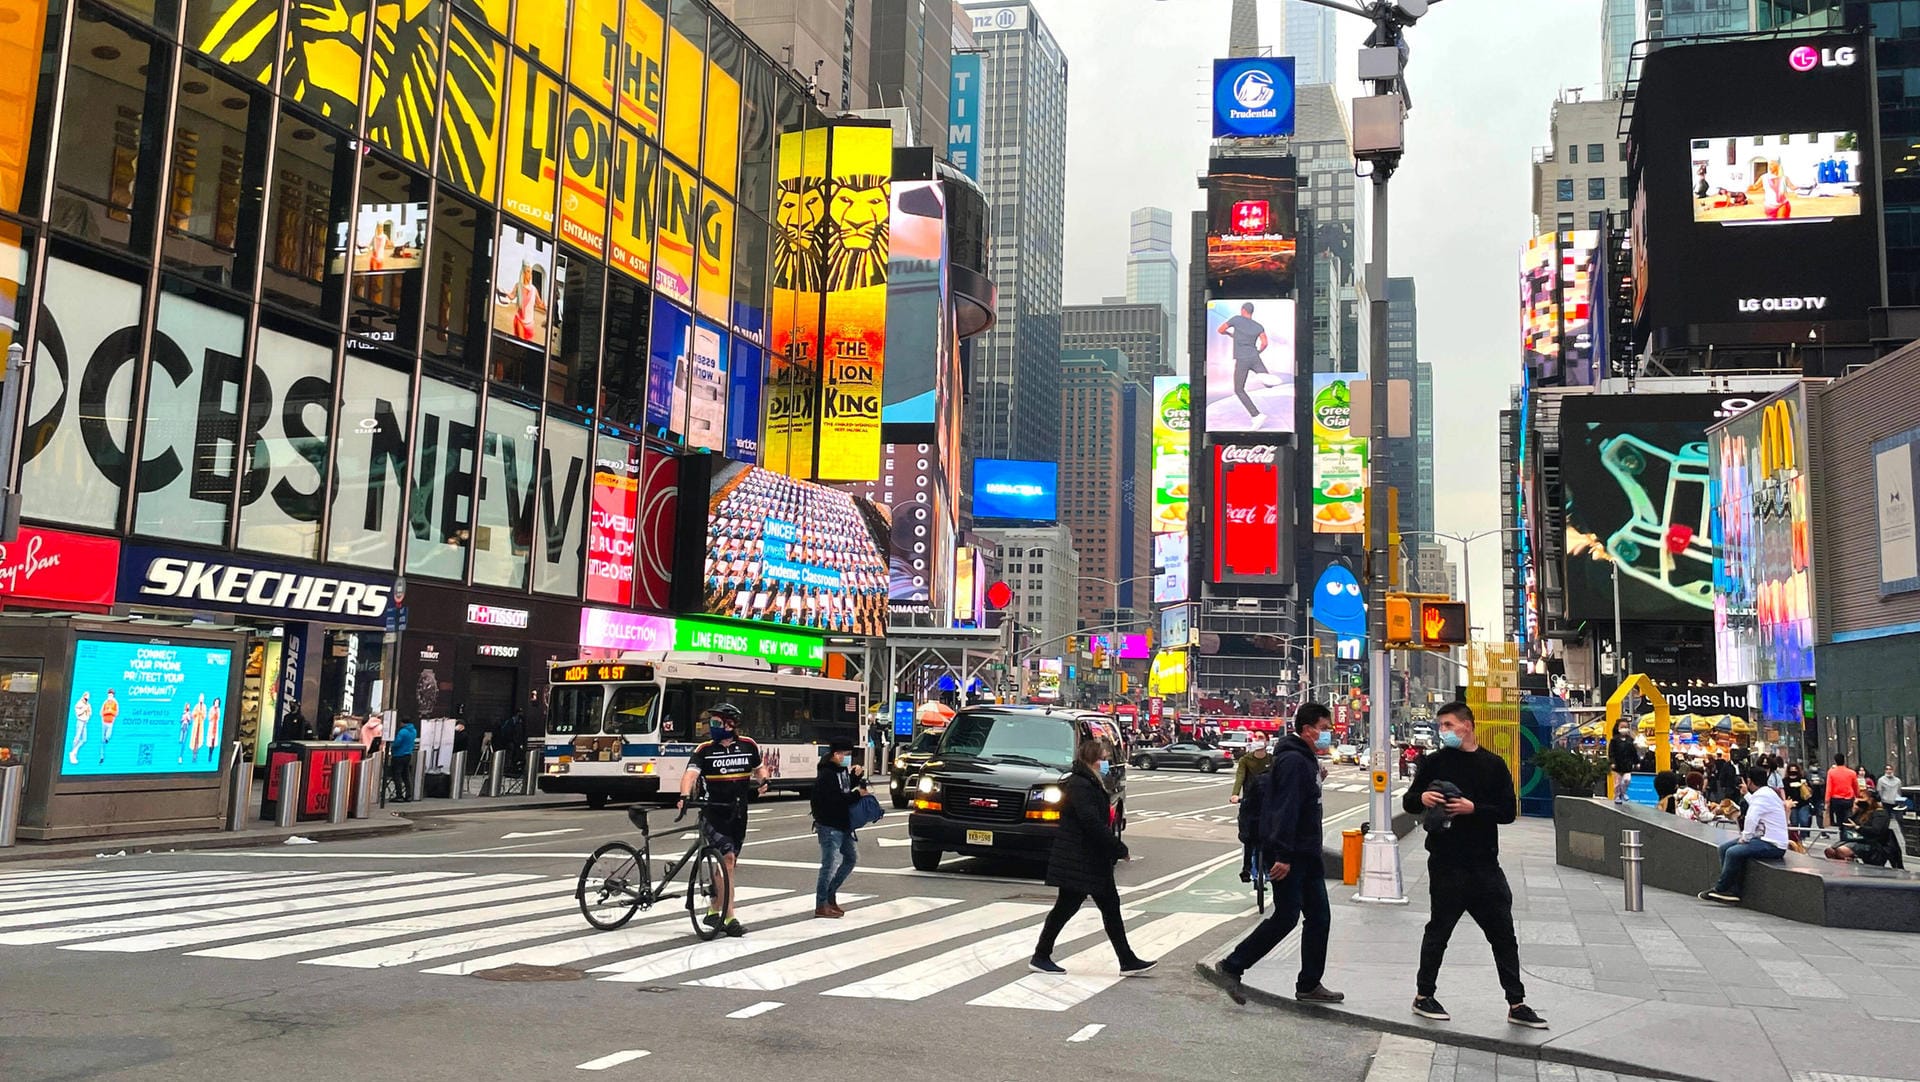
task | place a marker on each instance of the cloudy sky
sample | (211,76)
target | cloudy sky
(1483,73)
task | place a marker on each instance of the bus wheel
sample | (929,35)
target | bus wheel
(926,860)
(596,801)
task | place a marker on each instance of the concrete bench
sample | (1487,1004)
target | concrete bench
(1682,855)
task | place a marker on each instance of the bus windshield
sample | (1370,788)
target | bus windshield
(631,712)
(575,710)
(1038,738)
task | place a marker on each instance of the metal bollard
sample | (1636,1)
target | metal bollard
(495,772)
(457,778)
(417,787)
(287,811)
(1630,870)
(536,761)
(342,794)
(13,781)
(239,789)
(372,770)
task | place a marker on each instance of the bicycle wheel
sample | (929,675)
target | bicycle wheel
(706,890)
(612,885)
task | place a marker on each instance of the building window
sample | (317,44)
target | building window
(1596,187)
(1625,191)
(1564,221)
(1596,219)
(1573,153)
(1563,190)
(107,174)
(1596,153)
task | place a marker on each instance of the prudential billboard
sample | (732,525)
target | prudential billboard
(1252,97)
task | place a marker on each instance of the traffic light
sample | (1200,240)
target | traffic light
(1399,619)
(1073,646)
(1393,539)
(1316,646)
(1443,623)
(1123,683)
(1425,622)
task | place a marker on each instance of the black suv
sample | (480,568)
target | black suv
(993,787)
(907,764)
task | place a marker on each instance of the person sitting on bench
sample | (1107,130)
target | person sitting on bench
(1872,841)
(1763,836)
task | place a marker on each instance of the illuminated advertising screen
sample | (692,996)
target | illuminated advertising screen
(387,238)
(1016,490)
(1250,365)
(917,316)
(1169,673)
(1177,627)
(1635,474)
(1250,535)
(1251,227)
(669,356)
(856,236)
(522,286)
(963,114)
(743,403)
(700,406)
(920,503)
(145,707)
(1581,328)
(1540,306)
(613,523)
(1172,454)
(1339,457)
(1763,611)
(780,550)
(1170,559)
(1761,216)
(1253,97)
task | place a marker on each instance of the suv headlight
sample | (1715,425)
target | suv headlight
(1047,795)
(927,786)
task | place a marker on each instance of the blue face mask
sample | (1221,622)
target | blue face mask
(1451,739)
(717,730)
(1104,766)
(1324,740)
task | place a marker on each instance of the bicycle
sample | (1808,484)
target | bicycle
(1256,874)
(617,881)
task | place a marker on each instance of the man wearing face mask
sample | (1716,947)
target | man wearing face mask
(1463,860)
(835,791)
(731,766)
(1286,806)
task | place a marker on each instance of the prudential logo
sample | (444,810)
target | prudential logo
(1253,90)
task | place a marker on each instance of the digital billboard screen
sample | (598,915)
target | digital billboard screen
(1016,489)
(1757,212)
(1763,574)
(1635,474)
(1251,226)
(1253,97)
(1170,559)
(779,550)
(1339,456)
(1540,307)
(1250,534)
(917,316)
(1172,454)
(142,707)
(1250,365)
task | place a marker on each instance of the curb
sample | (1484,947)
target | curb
(1457,1039)
(440,807)
(145,844)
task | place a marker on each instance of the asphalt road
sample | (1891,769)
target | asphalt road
(383,958)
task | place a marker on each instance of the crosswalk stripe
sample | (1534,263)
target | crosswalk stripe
(428,896)
(336,938)
(15,901)
(962,964)
(827,961)
(452,943)
(620,940)
(697,956)
(1047,992)
(250,890)
(224,908)
(49,880)
(101,881)
(124,891)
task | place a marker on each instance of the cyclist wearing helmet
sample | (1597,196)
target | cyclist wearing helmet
(731,766)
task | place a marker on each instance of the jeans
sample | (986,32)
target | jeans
(1108,899)
(1478,890)
(1302,897)
(1734,855)
(1802,815)
(837,855)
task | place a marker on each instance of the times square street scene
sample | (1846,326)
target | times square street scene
(814,538)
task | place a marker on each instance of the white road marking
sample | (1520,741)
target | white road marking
(539,833)
(827,961)
(1094,970)
(431,896)
(1085,1033)
(962,964)
(757,1009)
(335,938)
(94,881)
(95,894)
(613,1060)
(249,890)
(622,940)
(697,956)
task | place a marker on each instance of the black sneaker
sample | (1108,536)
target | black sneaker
(1716,896)
(1044,965)
(1522,1015)
(1136,968)
(713,920)
(1234,991)
(734,928)
(1429,1007)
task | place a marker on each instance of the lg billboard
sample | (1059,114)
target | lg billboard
(1757,212)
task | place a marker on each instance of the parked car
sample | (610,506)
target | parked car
(992,788)
(1236,742)
(1184,754)
(907,763)
(1346,753)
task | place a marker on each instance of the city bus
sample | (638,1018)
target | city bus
(622,729)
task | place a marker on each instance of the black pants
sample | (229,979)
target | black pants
(1480,891)
(400,769)
(1108,899)
(1300,897)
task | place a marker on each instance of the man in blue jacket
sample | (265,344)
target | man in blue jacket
(1281,819)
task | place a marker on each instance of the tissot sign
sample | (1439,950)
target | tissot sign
(1253,97)
(232,583)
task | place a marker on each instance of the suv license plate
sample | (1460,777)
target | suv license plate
(979,837)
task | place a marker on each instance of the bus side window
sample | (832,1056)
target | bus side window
(795,720)
(677,720)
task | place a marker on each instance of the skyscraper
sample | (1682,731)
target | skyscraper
(1323,147)
(1398,462)
(1581,175)
(1243,33)
(911,62)
(1308,34)
(1140,331)
(1619,27)
(1014,411)
(1092,499)
(1153,271)
(819,39)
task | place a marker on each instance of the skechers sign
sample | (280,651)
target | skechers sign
(233,584)
(1253,97)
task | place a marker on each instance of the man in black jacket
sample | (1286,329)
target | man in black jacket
(836,789)
(1281,818)
(1463,860)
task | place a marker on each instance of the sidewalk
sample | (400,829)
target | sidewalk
(1683,990)
(1408,1059)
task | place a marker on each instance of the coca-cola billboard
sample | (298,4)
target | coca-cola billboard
(1250,526)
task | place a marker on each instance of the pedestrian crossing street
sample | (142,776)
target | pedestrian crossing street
(458,923)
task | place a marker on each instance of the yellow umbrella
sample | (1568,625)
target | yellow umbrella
(1594,730)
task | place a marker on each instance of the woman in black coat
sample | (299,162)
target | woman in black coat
(1084,852)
